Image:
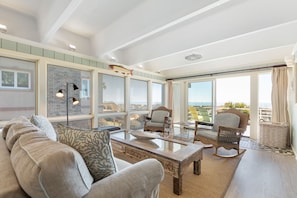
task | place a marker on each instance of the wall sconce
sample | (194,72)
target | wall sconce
(60,94)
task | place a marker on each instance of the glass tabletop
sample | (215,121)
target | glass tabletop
(155,143)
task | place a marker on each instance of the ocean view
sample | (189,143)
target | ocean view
(206,104)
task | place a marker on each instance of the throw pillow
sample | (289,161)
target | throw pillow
(45,125)
(19,119)
(94,147)
(46,168)
(16,130)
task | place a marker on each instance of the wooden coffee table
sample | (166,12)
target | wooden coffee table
(174,155)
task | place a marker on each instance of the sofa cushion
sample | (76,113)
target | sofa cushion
(226,119)
(46,168)
(94,146)
(9,185)
(16,130)
(45,125)
(12,121)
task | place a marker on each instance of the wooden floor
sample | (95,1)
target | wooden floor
(264,174)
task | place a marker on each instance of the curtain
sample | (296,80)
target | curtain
(279,95)
(170,94)
(170,98)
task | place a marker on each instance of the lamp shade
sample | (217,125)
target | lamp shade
(75,87)
(75,101)
(60,94)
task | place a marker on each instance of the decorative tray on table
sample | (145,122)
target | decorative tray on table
(144,135)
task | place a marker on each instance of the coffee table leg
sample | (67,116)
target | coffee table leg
(177,185)
(197,167)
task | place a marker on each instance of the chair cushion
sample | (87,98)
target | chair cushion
(209,134)
(159,115)
(10,186)
(225,119)
(45,125)
(154,124)
(94,146)
(47,168)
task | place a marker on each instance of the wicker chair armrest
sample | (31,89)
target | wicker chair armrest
(233,129)
(202,123)
(205,123)
(167,119)
(229,134)
(147,118)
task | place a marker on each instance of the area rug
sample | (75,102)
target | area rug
(216,175)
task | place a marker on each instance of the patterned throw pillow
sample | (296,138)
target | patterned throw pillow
(94,147)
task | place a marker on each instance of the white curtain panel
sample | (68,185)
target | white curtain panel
(279,95)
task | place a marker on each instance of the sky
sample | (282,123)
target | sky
(235,89)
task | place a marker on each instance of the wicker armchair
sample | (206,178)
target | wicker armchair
(226,131)
(160,120)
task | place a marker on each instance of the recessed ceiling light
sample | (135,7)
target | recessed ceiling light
(3,28)
(141,66)
(193,57)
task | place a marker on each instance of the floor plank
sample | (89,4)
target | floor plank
(264,174)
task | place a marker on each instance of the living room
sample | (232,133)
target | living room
(34,47)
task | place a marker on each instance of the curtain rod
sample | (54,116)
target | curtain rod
(228,72)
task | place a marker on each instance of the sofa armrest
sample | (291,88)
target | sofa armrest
(142,179)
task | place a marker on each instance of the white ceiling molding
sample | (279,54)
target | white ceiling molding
(51,22)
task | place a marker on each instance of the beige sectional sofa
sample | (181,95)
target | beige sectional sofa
(34,164)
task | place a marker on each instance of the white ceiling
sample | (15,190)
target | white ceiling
(158,34)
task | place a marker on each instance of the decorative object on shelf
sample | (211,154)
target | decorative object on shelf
(121,69)
(60,94)
(144,135)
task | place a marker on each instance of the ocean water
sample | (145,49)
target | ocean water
(207,104)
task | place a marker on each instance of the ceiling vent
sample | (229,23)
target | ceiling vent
(193,57)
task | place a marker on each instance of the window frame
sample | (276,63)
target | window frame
(15,79)
(88,95)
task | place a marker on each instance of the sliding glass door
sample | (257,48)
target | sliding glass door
(233,92)
(200,101)
(265,107)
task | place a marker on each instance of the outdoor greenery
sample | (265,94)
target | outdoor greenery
(238,105)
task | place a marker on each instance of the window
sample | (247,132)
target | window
(111,93)
(15,79)
(157,95)
(85,88)
(117,121)
(233,93)
(137,121)
(200,103)
(265,107)
(138,94)
(17,89)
